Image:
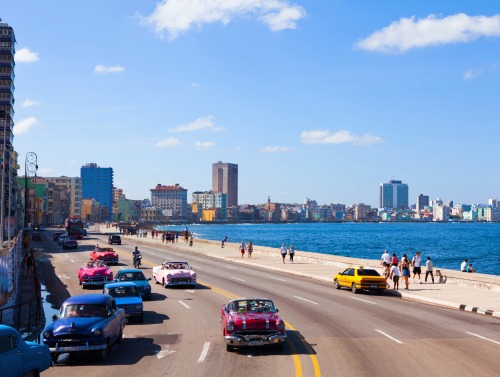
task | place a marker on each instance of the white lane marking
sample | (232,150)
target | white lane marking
(72,261)
(184,304)
(305,299)
(198,268)
(360,299)
(190,290)
(204,352)
(482,337)
(234,268)
(64,276)
(271,277)
(201,260)
(390,337)
(162,354)
(232,277)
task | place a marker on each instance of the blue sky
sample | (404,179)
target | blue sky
(317,99)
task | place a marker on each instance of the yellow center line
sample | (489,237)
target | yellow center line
(296,358)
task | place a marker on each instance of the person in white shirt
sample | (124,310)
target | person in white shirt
(385,258)
(463,266)
(395,276)
(429,269)
(416,263)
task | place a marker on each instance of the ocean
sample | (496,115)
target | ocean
(448,244)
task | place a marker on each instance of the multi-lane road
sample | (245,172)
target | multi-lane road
(330,332)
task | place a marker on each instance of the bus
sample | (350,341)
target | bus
(74,227)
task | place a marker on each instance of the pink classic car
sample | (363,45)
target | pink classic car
(94,274)
(174,273)
(252,322)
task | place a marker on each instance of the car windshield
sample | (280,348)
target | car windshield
(132,276)
(176,265)
(122,291)
(82,310)
(251,306)
(364,272)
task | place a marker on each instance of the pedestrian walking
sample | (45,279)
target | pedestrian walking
(242,248)
(394,259)
(405,270)
(163,237)
(395,276)
(249,249)
(176,237)
(223,242)
(291,251)
(429,267)
(416,263)
(283,252)
(385,258)
(387,270)
(29,265)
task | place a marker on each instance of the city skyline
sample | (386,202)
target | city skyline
(324,100)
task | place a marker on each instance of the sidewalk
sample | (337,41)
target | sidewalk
(456,290)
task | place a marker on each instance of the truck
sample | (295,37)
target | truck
(74,227)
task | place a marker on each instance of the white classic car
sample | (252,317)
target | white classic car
(174,273)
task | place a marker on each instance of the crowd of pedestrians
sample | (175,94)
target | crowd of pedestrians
(403,269)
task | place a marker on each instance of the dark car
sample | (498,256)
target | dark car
(85,323)
(68,243)
(127,296)
(20,358)
(136,276)
(114,240)
(57,235)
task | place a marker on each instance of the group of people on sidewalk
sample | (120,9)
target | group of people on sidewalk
(394,268)
(248,248)
(290,251)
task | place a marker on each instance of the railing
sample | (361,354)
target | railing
(28,318)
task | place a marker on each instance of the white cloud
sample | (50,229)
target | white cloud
(73,162)
(174,17)
(470,74)
(168,143)
(207,122)
(29,103)
(24,125)
(339,137)
(200,145)
(274,149)
(108,69)
(42,171)
(408,33)
(24,55)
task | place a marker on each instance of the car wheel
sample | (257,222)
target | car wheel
(102,354)
(32,373)
(229,348)
(280,346)
(165,283)
(141,318)
(336,283)
(79,282)
(154,278)
(54,357)
(379,291)
(354,289)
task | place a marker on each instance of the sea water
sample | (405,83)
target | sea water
(448,244)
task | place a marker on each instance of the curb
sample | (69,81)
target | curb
(474,309)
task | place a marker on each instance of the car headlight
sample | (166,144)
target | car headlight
(169,277)
(138,307)
(193,276)
(147,288)
(85,276)
(230,327)
(96,332)
(281,326)
(47,334)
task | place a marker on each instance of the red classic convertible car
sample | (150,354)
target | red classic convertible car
(252,322)
(106,254)
(94,274)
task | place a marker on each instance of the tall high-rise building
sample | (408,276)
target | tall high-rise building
(422,202)
(225,180)
(97,183)
(171,199)
(394,194)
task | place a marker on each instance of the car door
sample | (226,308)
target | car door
(344,276)
(11,358)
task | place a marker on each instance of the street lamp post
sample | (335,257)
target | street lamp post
(30,168)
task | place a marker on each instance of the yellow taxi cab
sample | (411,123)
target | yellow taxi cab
(360,279)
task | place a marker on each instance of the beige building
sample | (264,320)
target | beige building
(361,211)
(73,187)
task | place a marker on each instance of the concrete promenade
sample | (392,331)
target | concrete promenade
(478,293)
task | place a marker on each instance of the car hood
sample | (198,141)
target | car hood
(131,300)
(75,325)
(255,320)
(96,271)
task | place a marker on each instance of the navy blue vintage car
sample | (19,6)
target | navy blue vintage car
(128,297)
(86,323)
(136,276)
(20,358)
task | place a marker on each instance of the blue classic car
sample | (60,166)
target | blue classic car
(88,322)
(127,296)
(136,276)
(20,358)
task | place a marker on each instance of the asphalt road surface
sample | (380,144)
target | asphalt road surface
(330,332)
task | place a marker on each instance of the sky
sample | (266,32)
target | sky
(317,99)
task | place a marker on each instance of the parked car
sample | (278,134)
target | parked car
(136,276)
(61,238)
(94,274)
(84,232)
(252,322)
(36,236)
(127,296)
(114,239)
(106,254)
(174,273)
(56,235)
(68,243)
(358,279)
(21,358)
(85,323)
